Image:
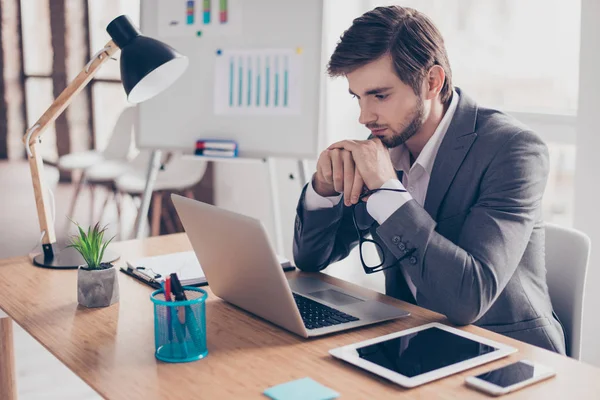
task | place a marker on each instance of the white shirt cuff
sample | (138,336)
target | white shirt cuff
(314,201)
(384,203)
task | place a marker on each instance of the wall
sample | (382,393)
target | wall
(587,192)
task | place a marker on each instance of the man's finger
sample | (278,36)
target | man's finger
(357,186)
(337,170)
(324,166)
(348,176)
(344,144)
(376,139)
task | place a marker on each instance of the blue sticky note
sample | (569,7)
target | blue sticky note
(301,389)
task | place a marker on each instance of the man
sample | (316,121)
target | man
(466,238)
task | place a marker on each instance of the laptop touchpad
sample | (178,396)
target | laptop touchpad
(334,297)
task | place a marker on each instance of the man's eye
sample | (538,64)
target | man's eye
(381,96)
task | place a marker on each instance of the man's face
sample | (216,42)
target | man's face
(388,107)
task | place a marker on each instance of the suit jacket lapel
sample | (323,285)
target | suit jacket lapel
(453,150)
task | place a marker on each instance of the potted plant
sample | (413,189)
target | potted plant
(97,282)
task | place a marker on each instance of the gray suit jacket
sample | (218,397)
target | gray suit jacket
(478,244)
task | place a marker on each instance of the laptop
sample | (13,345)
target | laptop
(242,269)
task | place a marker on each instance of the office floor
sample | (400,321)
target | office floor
(40,375)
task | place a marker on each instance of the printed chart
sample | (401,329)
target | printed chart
(259,82)
(199,18)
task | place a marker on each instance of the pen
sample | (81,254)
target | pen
(179,296)
(187,314)
(167,289)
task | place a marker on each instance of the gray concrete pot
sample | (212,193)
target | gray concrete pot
(97,287)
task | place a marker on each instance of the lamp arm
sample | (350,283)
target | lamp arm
(32,137)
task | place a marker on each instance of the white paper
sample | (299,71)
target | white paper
(258,82)
(212,18)
(185,264)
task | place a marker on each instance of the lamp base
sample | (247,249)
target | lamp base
(69,258)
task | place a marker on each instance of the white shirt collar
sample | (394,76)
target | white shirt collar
(400,155)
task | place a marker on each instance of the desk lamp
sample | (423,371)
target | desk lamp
(148,67)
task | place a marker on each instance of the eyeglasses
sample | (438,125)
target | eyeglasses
(369,246)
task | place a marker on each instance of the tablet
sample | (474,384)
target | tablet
(419,355)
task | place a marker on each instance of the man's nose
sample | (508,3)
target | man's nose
(366,117)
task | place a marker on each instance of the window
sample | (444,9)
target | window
(508,54)
(107,93)
(559,199)
(39,98)
(108,97)
(101,13)
(35,19)
(37,55)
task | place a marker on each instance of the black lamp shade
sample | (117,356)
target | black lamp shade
(148,66)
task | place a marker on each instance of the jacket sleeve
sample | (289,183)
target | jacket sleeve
(463,279)
(323,236)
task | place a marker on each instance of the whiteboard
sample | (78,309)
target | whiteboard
(223,94)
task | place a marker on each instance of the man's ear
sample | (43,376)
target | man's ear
(434,80)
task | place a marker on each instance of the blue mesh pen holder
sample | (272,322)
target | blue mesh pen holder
(180,326)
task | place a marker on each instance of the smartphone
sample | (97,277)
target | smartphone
(510,377)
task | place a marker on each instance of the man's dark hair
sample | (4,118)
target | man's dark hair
(408,36)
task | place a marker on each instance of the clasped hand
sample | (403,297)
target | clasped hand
(351,165)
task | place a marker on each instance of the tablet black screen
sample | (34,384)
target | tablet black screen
(424,351)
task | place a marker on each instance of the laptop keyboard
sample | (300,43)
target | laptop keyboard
(316,315)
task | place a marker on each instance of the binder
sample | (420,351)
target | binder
(154,270)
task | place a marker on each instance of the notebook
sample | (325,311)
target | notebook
(154,270)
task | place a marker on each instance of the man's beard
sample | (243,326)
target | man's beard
(398,138)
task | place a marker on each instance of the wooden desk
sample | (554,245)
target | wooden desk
(112,349)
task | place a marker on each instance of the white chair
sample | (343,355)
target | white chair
(116,149)
(102,166)
(179,174)
(567,254)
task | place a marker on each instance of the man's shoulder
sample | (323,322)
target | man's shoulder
(495,131)
(494,128)
(494,122)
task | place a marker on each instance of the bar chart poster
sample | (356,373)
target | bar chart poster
(201,18)
(258,82)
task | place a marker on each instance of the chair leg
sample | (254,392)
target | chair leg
(133,198)
(71,213)
(8,376)
(109,194)
(169,222)
(156,211)
(117,196)
(92,195)
(147,217)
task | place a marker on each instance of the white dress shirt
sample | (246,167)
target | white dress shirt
(381,205)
